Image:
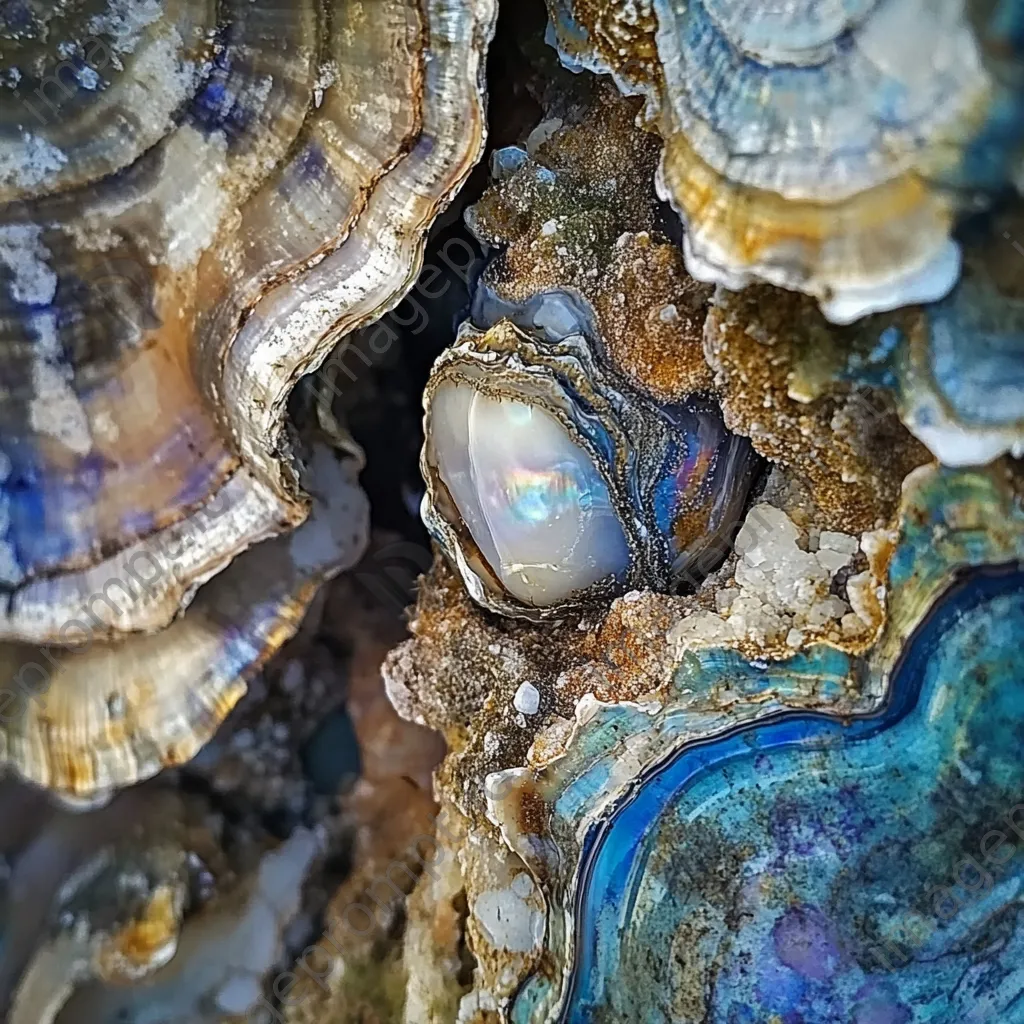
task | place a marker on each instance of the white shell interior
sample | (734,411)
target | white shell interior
(532,499)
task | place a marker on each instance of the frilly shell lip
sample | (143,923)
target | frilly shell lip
(162,320)
(913,278)
(631,440)
(754,121)
(106,715)
(802,34)
(960,365)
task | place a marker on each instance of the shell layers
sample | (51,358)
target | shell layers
(158,313)
(196,209)
(828,149)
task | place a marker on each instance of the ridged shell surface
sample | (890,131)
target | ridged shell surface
(827,148)
(197,201)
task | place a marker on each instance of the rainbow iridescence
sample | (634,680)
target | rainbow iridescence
(532,499)
(539,496)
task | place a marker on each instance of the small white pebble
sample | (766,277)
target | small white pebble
(794,638)
(852,624)
(548,228)
(522,884)
(527,699)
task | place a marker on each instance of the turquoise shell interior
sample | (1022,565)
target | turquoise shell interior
(874,870)
(812,865)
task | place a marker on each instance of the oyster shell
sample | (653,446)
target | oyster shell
(197,205)
(157,906)
(548,478)
(826,148)
(865,851)
(592,321)
(222,956)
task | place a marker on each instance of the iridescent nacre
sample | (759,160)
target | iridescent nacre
(551,479)
(531,498)
(826,148)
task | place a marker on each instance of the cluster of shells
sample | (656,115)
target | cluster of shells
(732,415)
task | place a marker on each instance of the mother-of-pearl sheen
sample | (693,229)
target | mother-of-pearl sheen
(531,498)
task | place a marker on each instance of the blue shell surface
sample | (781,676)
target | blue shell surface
(958,370)
(815,866)
(981,382)
(873,871)
(842,120)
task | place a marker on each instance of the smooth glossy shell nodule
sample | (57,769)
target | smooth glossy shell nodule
(550,480)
